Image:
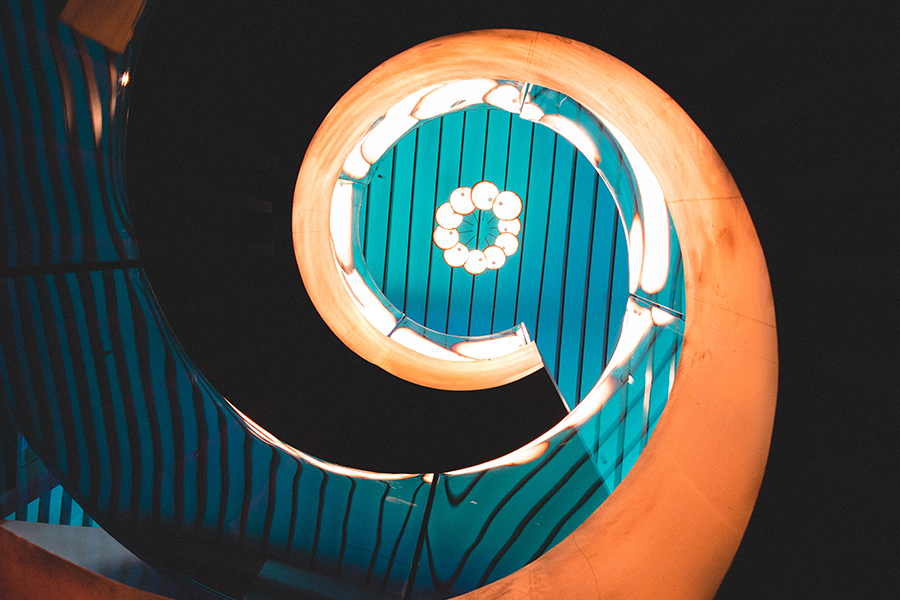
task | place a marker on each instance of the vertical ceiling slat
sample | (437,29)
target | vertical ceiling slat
(587,287)
(409,238)
(565,265)
(537,318)
(609,289)
(505,182)
(522,246)
(462,144)
(387,236)
(437,177)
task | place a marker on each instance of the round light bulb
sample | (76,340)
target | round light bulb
(514,226)
(446,217)
(508,242)
(476,262)
(445,238)
(483,194)
(461,201)
(507,205)
(495,257)
(456,256)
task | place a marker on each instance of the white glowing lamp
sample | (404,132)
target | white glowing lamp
(476,262)
(445,238)
(513,226)
(505,96)
(457,255)
(508,243)
(446,217)
(461,201)
(507,205)
(483,194)
(455,95)
(495,257)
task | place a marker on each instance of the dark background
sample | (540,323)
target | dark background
(797,97)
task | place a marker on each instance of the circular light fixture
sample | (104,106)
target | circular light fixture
(464,201)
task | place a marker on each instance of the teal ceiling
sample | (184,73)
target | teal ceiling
(568,281)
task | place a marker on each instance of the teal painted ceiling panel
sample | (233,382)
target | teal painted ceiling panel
(569,274)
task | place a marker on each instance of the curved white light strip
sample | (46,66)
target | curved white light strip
(505,96)
(355,166)
(574,134)
(325,466)
(655,268)
(368,303)
(452,96)
(490,348)
(341,224)
(395,124)
(635,253)
(636,325)
(523,455)
(384,135)
(415,341)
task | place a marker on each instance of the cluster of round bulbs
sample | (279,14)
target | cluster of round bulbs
(484,195)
